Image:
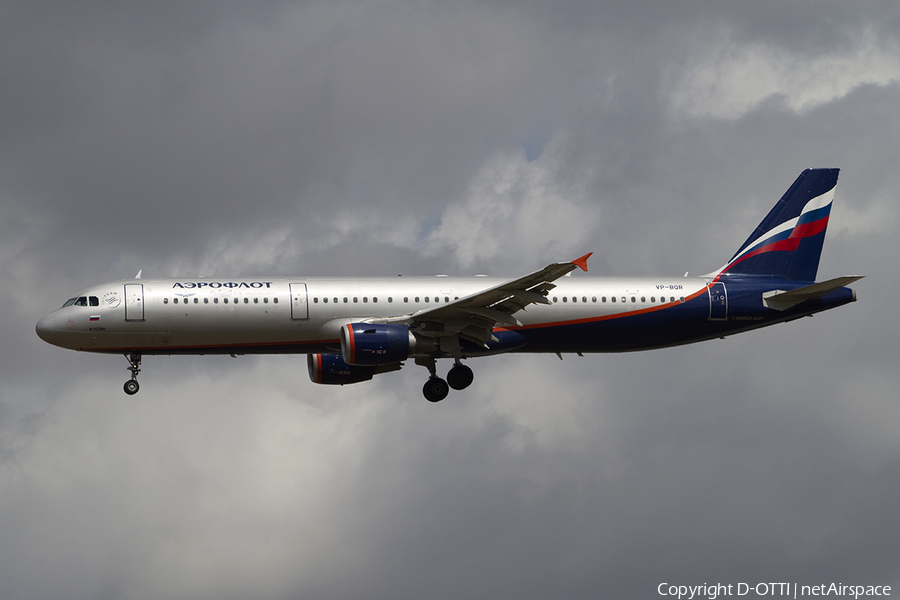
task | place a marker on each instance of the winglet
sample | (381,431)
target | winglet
(582,261)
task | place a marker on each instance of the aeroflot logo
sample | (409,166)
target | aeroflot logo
(222,284)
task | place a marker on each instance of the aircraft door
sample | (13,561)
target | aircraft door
(718,302)
(134,301)
(299,307)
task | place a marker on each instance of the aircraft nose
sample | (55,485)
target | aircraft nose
(48,328)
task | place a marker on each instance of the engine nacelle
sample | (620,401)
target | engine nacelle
(376,344)
(330,369)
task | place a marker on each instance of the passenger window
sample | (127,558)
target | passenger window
(315,300)
(426,299)
(390,299)
(196,301)
(206,301)
(215,300)
(613,298)
(565,299)
(643,299)
(374,299)
(417,299)
(555,299)
(365,299)
(265,300)
(256,300)
(246,300)
(346,300)
(275,300)
(584,299)
(633,299)
(225,300)
(594,299)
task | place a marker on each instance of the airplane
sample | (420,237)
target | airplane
(352,329)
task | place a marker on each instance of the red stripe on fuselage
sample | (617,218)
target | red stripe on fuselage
(336,342)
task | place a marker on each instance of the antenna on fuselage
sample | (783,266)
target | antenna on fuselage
(138,276)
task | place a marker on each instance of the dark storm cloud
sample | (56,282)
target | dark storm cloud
(390,137)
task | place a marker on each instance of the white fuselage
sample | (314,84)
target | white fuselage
(278,315)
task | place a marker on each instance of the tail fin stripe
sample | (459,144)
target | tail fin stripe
(813,211)
(786,241)
(816,213)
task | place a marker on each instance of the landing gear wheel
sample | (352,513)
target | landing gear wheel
(460,377)
(134,365)
(436,389)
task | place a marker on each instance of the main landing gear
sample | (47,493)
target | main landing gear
(436,389)
(132,386)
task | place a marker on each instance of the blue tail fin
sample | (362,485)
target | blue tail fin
(788,242)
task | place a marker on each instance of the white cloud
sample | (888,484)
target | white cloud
(726,79)
(513,205)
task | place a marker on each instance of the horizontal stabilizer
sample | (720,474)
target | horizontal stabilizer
(781,300)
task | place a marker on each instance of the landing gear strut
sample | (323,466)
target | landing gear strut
(131,386)
(436,389)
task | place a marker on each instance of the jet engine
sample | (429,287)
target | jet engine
(330,369)
(380,344)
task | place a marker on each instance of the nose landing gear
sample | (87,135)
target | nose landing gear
(132,386)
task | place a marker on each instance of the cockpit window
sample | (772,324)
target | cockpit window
(83,301)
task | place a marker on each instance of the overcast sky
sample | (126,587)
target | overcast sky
(386,137)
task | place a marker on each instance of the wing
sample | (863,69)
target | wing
(474,317)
